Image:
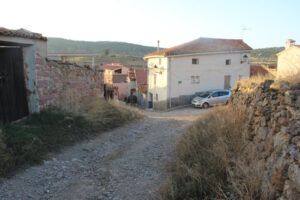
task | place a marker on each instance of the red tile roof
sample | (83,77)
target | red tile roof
(22,33)
(203,45)
(256,70)
(141,75)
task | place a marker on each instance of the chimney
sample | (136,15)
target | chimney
(157,45)
(289,43)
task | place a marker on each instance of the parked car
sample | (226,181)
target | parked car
(211,98)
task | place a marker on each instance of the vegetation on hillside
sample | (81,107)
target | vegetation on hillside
(131,54)
(28,141)
(60,45)
(265,55)
(131,61)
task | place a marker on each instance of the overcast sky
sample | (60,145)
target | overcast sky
(268,22)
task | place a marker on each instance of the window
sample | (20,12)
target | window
(118,71)
(195,61)
(195,79)
(156,97)
(228,62)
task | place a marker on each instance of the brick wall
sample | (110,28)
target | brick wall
(66,85)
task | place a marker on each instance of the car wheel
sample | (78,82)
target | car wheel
(205,105)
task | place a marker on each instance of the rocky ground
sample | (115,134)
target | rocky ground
(125,163)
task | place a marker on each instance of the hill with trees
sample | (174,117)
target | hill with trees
(60,45)
(131,54)
(265,55)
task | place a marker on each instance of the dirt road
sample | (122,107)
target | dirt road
(125,163)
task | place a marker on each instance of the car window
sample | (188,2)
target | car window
(223,93)
(215,94)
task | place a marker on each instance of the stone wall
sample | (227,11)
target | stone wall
(66,85)
(273,126)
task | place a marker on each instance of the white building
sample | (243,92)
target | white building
(289,60)
(177,73)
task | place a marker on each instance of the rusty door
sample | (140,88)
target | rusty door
(13,101)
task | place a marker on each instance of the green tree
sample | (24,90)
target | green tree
(106,52)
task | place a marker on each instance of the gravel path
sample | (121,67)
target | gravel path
(125,163)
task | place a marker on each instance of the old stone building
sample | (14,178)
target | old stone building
(29,82)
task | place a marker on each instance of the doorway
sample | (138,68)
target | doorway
(150,103)
(227,82)
(13,100)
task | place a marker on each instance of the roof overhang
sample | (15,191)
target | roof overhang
(154,56)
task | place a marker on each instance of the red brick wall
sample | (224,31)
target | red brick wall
(66,85)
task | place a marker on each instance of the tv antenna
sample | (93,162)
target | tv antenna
(244,29)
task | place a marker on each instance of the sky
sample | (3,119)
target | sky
(268,23)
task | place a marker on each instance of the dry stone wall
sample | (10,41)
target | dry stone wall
(273,126)
(66,85)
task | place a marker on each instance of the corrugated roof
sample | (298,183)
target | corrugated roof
(203,45)
(21,33)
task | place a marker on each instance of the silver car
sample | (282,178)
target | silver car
(211,98)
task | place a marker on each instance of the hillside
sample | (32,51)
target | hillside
(59,45)
(128,60)
(265,55)
(131,54)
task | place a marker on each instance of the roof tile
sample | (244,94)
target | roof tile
(22,33)
(203,45)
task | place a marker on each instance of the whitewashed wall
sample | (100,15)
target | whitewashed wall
(161,78)
(211,70)
(289,62)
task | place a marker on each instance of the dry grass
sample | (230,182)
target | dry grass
(292,80)
(251,82)
(29,141)
(213,160)
(108,113)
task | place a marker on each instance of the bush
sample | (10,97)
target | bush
(213,160)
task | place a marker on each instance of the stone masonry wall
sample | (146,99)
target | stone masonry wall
(273,126)
(66,85)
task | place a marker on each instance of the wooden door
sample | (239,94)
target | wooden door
(227,80)
(13,100)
